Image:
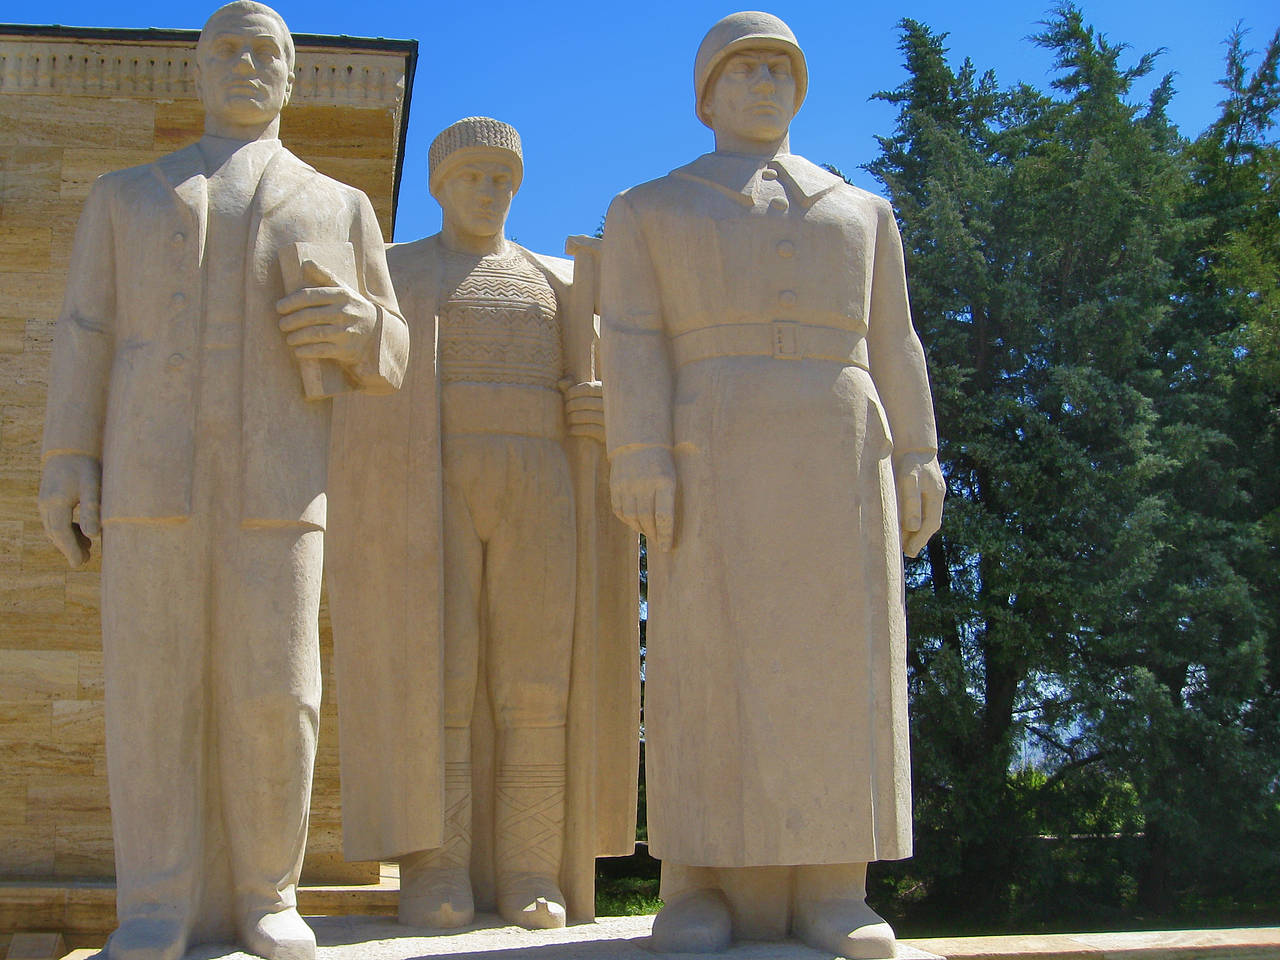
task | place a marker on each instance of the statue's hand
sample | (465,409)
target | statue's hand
(920,492)
(327,320)
(584,409)
(643,483)
(70,480)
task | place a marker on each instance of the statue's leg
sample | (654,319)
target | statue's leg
(530,566)
(831,913)
(759,900)
(266,673)
(154,659)
(435,885)
(695,916)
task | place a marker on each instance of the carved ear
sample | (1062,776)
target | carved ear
(288,89)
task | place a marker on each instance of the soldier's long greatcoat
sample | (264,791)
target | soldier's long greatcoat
(755,321)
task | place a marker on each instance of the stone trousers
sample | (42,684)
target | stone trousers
(211,657)
(509,549)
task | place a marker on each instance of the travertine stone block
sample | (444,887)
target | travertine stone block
(37,674)
(80,167)
(89,682)
(78,721)
(83,123)
(24,247)
(29,172)
(80,849)
(27,293)
(36,946)
(11,331)
(28,853)
(10,540)
(20,427)
(32,591)
(64,798)
(24,721)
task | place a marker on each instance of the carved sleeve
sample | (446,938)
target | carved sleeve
(897,358)
(634,358)
(84,339)
(383,369)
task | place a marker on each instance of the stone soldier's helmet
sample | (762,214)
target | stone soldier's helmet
(749,29)
(473,138)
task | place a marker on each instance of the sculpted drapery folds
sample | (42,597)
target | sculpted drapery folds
(499,780)
(178,425)
(770,430)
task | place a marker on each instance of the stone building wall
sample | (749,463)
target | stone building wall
(75,104)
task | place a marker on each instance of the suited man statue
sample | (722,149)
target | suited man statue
(177,425)
(770,429)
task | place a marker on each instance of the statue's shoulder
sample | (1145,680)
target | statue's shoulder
(295,168)
(415,262)
(664,191)
(130,181)
(556,268)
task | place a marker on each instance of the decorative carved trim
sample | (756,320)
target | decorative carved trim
(165,72)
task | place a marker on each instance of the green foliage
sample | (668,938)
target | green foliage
(1098,297)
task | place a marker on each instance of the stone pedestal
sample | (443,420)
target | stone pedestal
(610,938)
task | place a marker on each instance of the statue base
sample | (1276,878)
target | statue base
(489,938)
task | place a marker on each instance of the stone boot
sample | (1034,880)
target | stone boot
(435,885)
(278,935)
(148,938)
(831,913)
(697,921)
(529,827)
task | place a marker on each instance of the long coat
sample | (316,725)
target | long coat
(386,582)
(124,382)
(755,323)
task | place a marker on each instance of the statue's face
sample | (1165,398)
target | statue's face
(476,196)
(243,74)
(754,96)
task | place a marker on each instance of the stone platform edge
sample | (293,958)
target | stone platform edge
(84,914)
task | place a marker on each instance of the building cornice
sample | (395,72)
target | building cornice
(80,61)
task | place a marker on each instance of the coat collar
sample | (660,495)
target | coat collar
(183,171)
(735,176)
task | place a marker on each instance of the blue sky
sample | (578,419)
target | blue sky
(602,93)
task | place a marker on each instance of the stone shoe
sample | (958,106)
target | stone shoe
(695,922)
(437,897)
(531,901)
(847,928)
(148,938)
(278,935)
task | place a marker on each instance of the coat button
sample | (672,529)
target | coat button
(786,249)
(787,297)
(778,205)
(178,238)
(178,299)
(768,173)
(176,360)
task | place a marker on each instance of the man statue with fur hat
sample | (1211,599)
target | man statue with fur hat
(770,430)
(484,609)
(178,425)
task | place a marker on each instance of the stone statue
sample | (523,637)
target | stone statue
(771,432)
(480,476)
(178,425)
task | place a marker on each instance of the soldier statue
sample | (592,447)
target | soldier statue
(771,432)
